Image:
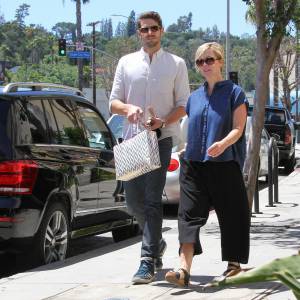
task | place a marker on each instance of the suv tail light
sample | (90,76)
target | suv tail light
(17,177)
(287,136)
(174,165)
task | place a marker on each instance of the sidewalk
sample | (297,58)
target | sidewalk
(105,274)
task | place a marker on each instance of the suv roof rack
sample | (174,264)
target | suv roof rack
(38,86)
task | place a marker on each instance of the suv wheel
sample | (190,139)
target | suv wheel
(125,232)
(289,164)
(52,238)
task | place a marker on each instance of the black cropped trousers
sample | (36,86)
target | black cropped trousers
(219,185)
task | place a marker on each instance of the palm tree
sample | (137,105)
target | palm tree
(79,38)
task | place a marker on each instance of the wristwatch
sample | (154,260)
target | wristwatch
(163,124)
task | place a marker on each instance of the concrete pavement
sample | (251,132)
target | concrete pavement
(105,273)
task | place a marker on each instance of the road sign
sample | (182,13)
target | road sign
(79,54)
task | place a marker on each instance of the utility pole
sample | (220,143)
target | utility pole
(228,68)
(93,24)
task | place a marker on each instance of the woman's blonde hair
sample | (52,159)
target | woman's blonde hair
(215,47)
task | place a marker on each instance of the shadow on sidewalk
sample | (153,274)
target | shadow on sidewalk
(282,234)
(198,285)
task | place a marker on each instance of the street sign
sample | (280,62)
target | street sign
(79,54)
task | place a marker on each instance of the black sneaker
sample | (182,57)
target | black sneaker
(145,273)
(158,261)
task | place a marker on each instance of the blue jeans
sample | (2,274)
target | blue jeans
(144,201)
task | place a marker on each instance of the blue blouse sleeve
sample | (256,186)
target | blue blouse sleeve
(187,107)
(238,98)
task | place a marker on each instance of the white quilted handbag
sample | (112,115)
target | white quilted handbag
(137,156)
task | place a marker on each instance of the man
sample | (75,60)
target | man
(152,78)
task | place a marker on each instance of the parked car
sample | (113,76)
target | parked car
(57,173)
(264,149)
(278,121)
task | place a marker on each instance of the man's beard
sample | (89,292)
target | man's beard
(151,43)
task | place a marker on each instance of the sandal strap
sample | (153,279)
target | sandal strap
(186,277)
(231,268)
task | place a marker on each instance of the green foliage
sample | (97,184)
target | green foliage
(61,73)
(284,269)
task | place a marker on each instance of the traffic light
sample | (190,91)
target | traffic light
(233,76)
(62,51)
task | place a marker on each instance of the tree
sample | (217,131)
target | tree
(65,30)
(272,18)
(79,39)
(21,13)
(131,24)
(184,24)
(120,30)
(285,64)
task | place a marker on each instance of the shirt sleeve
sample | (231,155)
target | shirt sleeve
(118,88)
(239,98)
(181,85)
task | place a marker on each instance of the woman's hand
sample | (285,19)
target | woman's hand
(216,149)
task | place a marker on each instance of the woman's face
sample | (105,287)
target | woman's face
(209,65)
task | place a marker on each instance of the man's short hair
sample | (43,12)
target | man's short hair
(149,15)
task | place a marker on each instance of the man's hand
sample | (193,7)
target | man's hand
(153,122)
(134,113)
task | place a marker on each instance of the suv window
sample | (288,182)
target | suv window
(5,129)
(97,131)
(66,129)
(31,119)
(275,117)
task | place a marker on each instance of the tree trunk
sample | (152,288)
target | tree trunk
(275,83)
(79,39)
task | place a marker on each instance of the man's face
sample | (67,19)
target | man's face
(150,33)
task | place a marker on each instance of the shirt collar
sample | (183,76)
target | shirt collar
(218,84)
(156,55)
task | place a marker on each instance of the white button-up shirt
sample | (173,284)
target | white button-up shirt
(161,84)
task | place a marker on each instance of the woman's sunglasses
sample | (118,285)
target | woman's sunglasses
(208,60)
(153,28)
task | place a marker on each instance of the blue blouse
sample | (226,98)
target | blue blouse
(210,120)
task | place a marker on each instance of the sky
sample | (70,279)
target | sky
(205,13)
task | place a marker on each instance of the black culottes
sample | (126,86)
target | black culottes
(219,185)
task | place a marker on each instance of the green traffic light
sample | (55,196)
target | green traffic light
(62,52)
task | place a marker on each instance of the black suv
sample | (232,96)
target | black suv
(57,173)
(278,121)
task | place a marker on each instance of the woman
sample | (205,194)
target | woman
(211,170)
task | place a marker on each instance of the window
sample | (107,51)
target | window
(68,131)
(97,131)
(5,129)
(30,115)
(274,117)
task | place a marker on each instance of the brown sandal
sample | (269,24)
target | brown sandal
(181,277)
(231,270)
